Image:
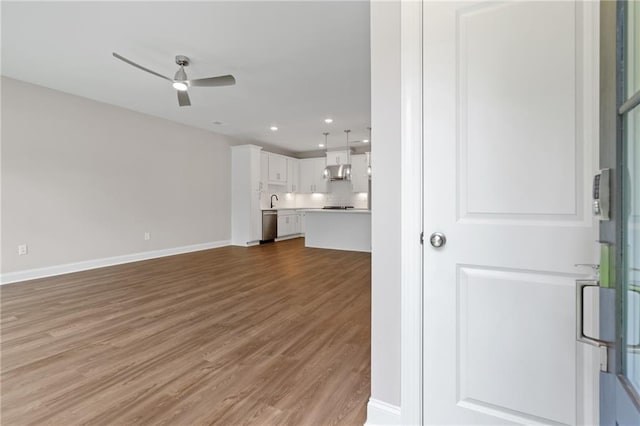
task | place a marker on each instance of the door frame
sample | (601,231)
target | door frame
(620,399)
(411,216)
(412,226)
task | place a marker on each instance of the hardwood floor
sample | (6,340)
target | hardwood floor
(273,334)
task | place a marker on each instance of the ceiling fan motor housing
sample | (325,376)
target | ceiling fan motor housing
(180,75)
(181,60)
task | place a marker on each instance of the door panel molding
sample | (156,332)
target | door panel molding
(494,51)
(488,295)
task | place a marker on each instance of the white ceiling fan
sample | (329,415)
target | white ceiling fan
(180,81)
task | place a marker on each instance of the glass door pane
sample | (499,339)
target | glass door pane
(631,252)
(632,49)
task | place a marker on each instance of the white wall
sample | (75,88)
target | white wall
(83,180)
(385,163)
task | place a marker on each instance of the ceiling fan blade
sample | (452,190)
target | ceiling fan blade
(123,59)
(183,98)
(223,80)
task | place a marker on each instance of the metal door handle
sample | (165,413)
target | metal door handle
(438,239)
(580,336)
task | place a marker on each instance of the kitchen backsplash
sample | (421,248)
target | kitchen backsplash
(339,194)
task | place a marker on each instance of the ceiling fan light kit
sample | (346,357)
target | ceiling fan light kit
(180,82)
(179,85)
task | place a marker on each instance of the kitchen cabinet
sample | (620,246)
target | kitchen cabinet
(312,175)
(293,175)
(288,223)
(264,171)
(320,182)
(301,216)
(359,175)
(306,175)
(277,169)
(246,216)
(338,229)
(335,158)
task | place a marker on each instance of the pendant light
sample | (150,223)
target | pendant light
(348,168)
(325,173)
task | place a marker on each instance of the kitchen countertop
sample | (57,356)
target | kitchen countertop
(320,210)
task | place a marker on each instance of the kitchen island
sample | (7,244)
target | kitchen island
(338,229)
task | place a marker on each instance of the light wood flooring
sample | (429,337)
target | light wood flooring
(273,334)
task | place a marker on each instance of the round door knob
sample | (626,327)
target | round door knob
(437,239)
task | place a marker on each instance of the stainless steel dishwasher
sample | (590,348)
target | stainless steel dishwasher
(269,225)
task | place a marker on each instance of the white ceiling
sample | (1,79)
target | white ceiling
(295,62)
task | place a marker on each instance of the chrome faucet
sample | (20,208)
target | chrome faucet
(273,195)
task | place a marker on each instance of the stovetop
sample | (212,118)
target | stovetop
(337,207)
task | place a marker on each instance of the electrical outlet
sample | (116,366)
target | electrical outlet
(23,250)
(147,236)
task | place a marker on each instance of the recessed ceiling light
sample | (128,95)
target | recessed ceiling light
(365,140)
(321,145)
(328,120)
(274,128)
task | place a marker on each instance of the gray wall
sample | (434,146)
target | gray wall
(385,185)
(83,180)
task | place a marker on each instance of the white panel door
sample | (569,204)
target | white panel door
(509,106)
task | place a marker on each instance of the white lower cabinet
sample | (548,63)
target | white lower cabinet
(283,225)
(289,223)
(297,224)
(301,215)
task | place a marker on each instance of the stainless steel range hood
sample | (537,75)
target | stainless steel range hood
(339,172)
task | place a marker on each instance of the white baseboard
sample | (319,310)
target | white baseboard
(381,413)
(289,237)
(49,271)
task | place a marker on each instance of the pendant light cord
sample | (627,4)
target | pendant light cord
(326,149)
(348,150)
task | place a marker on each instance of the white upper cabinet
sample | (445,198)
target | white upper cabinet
(293,175)
(320,181)
(277,169)
(335,158)
(359,176)
(306,175)
(264,171)
(311,175)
